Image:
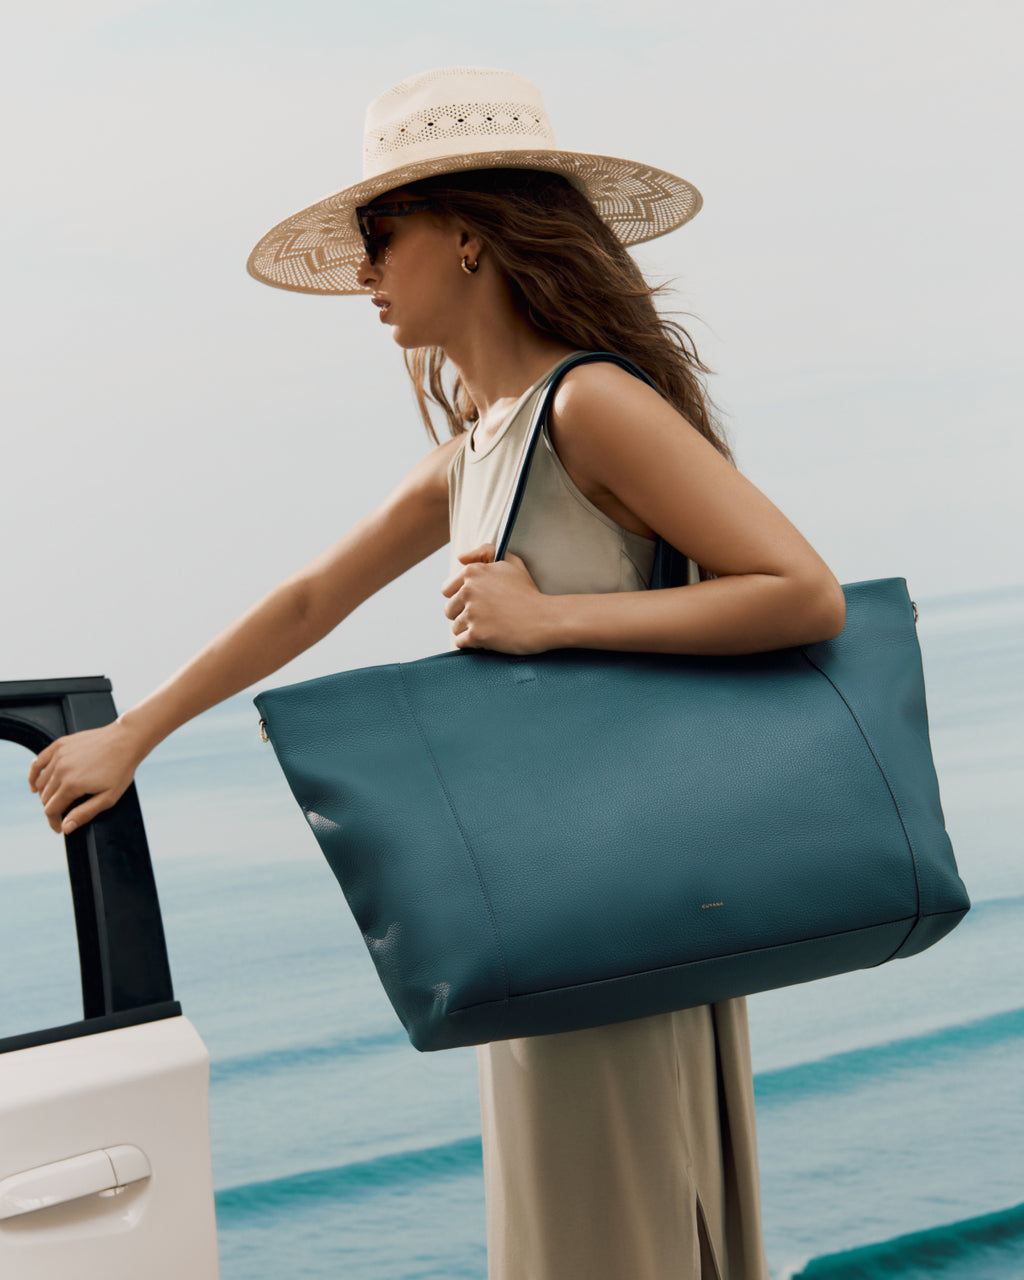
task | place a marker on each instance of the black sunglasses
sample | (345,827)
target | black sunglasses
(374,240)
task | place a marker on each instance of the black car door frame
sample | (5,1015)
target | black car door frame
(126,977)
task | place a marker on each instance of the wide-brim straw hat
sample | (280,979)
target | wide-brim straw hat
(448,121)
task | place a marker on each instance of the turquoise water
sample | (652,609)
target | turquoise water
(890,1102)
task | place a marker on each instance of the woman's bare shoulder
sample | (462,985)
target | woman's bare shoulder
(602,384)
(604,417)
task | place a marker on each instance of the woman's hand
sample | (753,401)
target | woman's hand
(94,766)
(496,605)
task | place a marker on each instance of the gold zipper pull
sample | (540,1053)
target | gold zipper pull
(913,605)
(263,728)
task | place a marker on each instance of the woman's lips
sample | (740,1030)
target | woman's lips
(382,304)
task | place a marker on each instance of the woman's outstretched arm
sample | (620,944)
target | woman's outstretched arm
(402,531)
(630,452)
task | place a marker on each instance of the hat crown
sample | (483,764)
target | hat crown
(454,111)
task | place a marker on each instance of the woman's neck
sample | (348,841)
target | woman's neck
(498,353)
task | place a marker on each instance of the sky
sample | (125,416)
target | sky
(178,437)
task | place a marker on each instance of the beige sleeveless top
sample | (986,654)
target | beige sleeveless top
(568,544)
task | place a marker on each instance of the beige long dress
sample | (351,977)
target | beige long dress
(625,1152)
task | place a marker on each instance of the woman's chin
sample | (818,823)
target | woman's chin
(406,340)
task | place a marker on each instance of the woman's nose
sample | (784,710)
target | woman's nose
(366,273)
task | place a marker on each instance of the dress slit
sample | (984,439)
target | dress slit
(709,1269)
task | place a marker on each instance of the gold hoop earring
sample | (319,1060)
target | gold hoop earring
(470,269)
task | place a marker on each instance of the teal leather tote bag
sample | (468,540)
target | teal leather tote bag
(545,843)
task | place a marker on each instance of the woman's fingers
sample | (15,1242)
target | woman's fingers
(463,632)
(85,812)
(38,765)
(50,779)
(457,585)
(58,800)
(459,589)
(457,611)
(64,815)
(483,554)
(53,811)
(49,787)
(455,604)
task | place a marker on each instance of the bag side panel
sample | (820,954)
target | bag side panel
(357,765)
(875,665)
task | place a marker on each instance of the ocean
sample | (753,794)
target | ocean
(890,1102)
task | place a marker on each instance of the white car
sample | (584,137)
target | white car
(104,1129)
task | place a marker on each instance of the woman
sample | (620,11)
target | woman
(626,1151)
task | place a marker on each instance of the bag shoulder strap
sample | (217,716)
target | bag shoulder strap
(671,568)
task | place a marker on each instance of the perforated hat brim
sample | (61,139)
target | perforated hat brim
(319,249)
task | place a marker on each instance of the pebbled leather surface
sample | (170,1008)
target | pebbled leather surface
(578,837)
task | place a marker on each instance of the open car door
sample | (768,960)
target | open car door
(104,1130)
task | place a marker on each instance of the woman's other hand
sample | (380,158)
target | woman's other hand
(94,767)
(496,604)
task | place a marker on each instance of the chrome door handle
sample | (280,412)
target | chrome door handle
(106,1170)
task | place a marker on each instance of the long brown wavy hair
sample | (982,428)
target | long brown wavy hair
(573,280)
